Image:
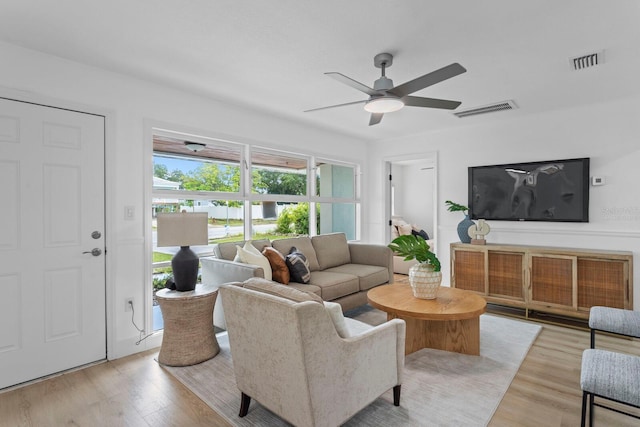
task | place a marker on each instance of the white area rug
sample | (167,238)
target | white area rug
(440,388)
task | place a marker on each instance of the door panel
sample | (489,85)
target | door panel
(53,294)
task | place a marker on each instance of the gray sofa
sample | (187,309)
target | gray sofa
(341,271)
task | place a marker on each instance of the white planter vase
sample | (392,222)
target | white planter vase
(424,281)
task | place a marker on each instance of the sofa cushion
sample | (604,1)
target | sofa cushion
(303,244)
(279,270)
(335,313)
(248,256)
(298,266)
(368,275)
(331,250)
(228,250)
(280,290)
(334,285)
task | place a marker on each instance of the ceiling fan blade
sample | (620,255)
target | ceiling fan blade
(375,118)
(416,101)
(334,106)
(427,80)
(354,84)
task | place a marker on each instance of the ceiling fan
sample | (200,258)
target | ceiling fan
(386,98)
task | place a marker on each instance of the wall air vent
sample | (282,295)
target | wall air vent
(587,61)
(492,108)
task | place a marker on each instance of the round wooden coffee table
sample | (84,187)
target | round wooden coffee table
(450,322)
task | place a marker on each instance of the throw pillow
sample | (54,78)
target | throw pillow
(260,260)
(420,233)
(279,290)
(279,269)
(298,266)
(404,229)
(248,246)
(335,313)
(304,245)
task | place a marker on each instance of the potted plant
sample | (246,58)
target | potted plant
(425,276)
(463,226)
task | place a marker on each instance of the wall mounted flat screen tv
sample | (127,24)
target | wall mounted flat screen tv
(555,190)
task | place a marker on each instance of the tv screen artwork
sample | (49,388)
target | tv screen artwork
(556,190)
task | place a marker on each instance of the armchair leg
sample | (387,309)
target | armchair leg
(244,404)
(396,395)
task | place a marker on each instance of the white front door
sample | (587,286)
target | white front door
(52,288)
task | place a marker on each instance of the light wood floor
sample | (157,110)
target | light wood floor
(136,391)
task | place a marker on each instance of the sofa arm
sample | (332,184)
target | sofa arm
(218,271)
(398,328)
(372,254)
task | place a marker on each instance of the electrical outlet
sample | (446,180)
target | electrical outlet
(128,304)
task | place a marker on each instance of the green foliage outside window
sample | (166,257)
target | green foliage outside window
(295,219)
(276,182)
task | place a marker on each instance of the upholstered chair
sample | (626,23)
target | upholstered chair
(606,374)
(289,355)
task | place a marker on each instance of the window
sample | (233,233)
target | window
(248,192)
(276,173)
(335,180)
(336,191)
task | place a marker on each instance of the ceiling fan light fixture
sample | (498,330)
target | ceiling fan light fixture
(385,104)
(194,146)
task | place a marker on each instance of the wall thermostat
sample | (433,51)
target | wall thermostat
(597,180)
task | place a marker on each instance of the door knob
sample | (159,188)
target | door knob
(94,252)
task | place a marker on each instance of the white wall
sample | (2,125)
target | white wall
(607,133)
(131,106)
(415,194)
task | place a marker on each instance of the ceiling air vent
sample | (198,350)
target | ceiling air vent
(587,61)
(492,108)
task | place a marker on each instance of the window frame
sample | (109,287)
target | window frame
(245,193)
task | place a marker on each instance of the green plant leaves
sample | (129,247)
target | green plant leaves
(414,247)
(455,207)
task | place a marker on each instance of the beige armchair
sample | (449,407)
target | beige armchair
(289,357)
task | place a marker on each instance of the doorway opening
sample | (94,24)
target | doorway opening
(411,194)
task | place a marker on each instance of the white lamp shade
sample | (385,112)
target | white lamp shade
(182,229)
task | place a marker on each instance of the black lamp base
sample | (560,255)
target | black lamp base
(185,269)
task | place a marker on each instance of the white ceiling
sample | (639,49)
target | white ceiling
(271,55)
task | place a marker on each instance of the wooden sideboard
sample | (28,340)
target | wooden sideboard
(562,281)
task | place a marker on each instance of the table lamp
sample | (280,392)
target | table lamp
(184,230)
